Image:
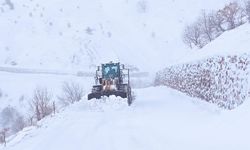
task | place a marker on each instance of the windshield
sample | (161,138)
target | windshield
(110,71)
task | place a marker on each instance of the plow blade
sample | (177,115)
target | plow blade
(94,95)
(98,95)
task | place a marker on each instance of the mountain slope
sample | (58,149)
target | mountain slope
(79,34)
(233,42)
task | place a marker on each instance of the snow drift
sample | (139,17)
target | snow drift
(162,119)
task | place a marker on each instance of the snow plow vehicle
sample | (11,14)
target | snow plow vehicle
(112,79)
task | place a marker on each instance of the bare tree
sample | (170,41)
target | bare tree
(211,25)
(193,36)
(248,10)
(233,14)
(207,27)
(72,92)
(201,32)
(41,103)
(218,21)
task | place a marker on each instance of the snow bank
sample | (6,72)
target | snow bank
(221,79)
(160,118)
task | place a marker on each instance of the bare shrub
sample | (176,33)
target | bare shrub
(12,119)
(8,116)
(18,124)
(72,92)
(3,134)
(41,103)
(142,6)
(89,31)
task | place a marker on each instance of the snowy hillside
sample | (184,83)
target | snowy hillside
(232,42)
(45,44)
(80,33)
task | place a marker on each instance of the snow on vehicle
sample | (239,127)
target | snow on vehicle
(112,79)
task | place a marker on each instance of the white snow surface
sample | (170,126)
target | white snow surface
(233,42)
(56,39)
(80,34)
(162,119)
(17,88)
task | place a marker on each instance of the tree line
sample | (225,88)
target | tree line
(211,25)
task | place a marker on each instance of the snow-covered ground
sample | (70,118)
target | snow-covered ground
(18,84)
(80,34)
(233,42)
(17,88)
(161,119)
(46,43)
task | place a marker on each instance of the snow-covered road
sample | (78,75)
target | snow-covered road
(159,119)
(82,73)
(46,71)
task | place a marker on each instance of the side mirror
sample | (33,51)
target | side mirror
(123,66)
(98,68)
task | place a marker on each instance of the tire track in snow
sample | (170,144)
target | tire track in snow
(43,71)
(61,72)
